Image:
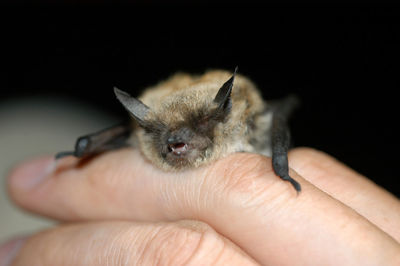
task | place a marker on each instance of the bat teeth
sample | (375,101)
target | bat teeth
(178,148)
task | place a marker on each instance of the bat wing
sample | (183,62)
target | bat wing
(280,137)
(107,139)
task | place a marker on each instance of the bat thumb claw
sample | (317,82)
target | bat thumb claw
(63,154)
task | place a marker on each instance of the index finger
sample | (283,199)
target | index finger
(239,196)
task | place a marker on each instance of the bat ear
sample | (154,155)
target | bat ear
(135,107)
(223,97)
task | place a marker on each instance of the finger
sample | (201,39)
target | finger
(348,186)
(239,196)
(124,243)
(73,190)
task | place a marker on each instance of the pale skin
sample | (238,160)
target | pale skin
(118,209)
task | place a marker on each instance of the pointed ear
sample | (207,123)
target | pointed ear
(223,97)
(135,107)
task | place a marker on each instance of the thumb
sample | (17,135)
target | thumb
(124,243)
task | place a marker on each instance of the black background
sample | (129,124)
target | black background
(342,63)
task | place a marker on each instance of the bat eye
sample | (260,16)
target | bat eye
(178,148)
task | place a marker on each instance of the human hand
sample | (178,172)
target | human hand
(125,210)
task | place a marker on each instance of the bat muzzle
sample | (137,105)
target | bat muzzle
(178,148)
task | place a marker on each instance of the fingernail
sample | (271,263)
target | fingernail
(31,173)
(9,250)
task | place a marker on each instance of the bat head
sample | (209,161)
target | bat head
(181,133)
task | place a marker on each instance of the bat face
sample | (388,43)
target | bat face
(181,143)
(181,132)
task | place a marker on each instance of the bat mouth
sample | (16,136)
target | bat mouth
(178,148)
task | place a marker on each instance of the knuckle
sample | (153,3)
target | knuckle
(250,175)
(246,172)
(248,181)
(181,243)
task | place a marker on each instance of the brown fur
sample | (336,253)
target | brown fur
(172,101)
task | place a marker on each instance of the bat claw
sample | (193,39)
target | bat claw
(64,154)
(294,183)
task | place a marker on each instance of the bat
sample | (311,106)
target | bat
(188,121)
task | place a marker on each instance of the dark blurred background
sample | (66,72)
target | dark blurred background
(342,63)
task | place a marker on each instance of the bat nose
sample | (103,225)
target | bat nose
(173,140)
(183,134)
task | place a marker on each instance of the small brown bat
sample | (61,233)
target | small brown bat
(190,120)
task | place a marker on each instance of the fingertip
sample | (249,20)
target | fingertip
(30,173)
(23,178)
